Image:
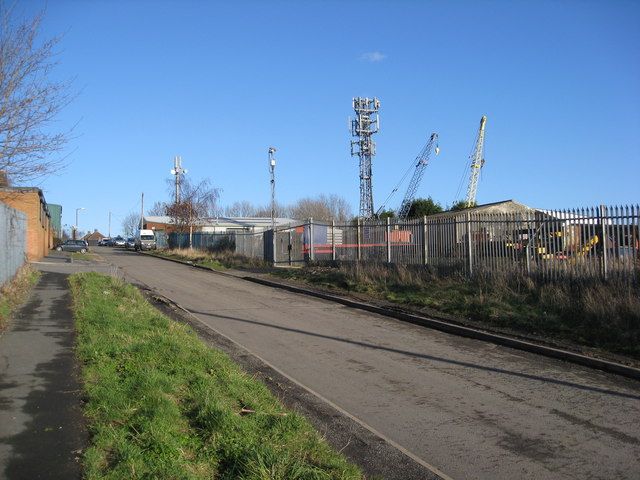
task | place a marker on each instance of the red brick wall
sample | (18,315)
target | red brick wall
(39,234)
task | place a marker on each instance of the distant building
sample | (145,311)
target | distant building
(454,222)
(219,224)
(56,219)
(32,203)
(504,206)
(93,238)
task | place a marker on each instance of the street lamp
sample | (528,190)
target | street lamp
(272,170)
(75,228)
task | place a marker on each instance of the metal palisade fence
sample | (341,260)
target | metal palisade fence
(13,234)
(597,242)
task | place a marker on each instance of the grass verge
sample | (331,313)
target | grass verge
(218,260)
(15,292)
(84,256)
(604,316)
(161,404)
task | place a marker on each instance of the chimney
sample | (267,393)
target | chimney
(4,179)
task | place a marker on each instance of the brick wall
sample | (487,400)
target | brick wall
(39,233)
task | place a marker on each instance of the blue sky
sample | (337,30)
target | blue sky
(220,82)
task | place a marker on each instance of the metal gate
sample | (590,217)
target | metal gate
(289,247)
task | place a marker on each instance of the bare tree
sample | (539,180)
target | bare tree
(158,209)
(323,207)
(131,224)
(339,207)
(265,211)
(240,209)
(30,100)
(197,203)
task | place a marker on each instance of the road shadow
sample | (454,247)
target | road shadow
(432,358)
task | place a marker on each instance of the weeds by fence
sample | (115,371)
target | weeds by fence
(601,242)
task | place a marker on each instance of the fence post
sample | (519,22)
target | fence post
(312,256)
(359,240)
(603,221)
(289,247)
(527,250)
(469,254)
(273,246)
(424,240)
(333,240)
(253,239)
(388,240)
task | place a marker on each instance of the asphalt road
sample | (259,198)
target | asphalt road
(469,408)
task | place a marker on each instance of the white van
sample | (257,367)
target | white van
(145,240)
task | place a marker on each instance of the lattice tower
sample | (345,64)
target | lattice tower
(363,126)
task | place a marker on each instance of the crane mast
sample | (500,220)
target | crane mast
(477,161)
(421,162)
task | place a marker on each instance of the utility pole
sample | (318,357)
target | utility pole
(109,225)
(272,171)
(363,127)
(75,230)
(142,212)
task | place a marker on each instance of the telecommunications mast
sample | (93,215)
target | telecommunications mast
(178,171)
(363,127)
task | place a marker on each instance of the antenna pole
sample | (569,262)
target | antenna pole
(178,171)
(272,171)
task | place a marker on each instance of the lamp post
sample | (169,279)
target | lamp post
(272,170)
(75,227)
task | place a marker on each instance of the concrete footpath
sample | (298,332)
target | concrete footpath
(42,432)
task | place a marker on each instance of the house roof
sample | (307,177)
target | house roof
(96,235)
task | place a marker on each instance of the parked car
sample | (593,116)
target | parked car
(117,242)
(130,244)
(145,240)
(73,246)
(103,242)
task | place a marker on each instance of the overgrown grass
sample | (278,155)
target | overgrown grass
(160,404)
(602,315)
(15,292)
(218,260)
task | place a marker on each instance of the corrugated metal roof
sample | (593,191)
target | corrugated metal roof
(493,207)
(231,222)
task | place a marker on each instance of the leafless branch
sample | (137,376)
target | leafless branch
(30,101)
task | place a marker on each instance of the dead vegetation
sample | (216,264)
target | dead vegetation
(577,313)
(15,292)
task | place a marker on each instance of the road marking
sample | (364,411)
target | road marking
(399,447)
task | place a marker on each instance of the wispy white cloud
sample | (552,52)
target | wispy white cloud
(373,57)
